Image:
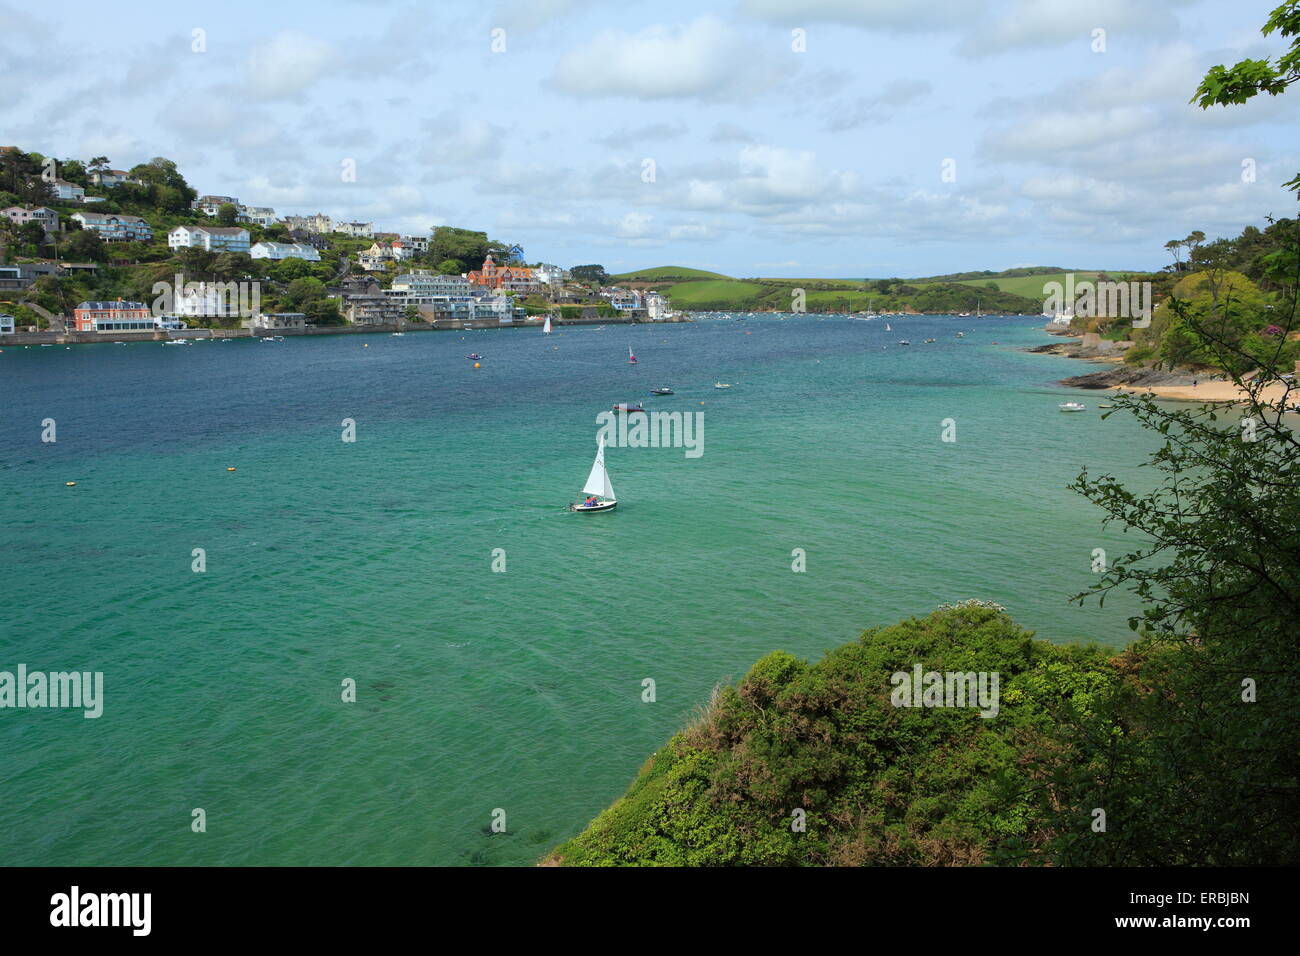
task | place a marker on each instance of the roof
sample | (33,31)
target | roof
(216,230)
(120,217)
(100,306)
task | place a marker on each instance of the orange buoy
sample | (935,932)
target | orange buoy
(230,469)
(476,364)
(69,483)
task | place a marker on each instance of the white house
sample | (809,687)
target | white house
(109,177)
(211,238)
(68,192)
(548,274)
(276,321)
(211,205)
(284,250)
(6,324)
(115,227)
(359,230)
(257,215)
(656,307)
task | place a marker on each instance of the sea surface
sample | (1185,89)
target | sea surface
(480,690)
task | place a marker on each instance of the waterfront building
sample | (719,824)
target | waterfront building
(210,238)
(6,324)
(115,227)
(284,250)
(423,282)
(657,308)
(117,316)
(276,322)
(373,309)
(21,215)
(624,300)
(505,278)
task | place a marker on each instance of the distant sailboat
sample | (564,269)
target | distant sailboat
(598,491)
(888,327)
(631,359)
(546,329)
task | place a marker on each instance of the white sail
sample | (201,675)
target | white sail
(598,480)
(547,327)
(630,356)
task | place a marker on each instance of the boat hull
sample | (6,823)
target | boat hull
(599,506)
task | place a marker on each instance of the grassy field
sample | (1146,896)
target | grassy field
(697,289)
(667,274)
(1031,287)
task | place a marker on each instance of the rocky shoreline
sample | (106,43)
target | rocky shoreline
(1118,375)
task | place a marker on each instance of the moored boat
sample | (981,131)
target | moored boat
(1072,406)
(663,390)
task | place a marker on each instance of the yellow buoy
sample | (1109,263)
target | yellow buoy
(69,483)
(230,469)
(366,345)
(476,364)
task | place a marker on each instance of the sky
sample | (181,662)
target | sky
(801,138)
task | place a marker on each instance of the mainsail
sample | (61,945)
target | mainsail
(598,480)
(547,327)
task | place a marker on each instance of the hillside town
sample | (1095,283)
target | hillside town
(85,250)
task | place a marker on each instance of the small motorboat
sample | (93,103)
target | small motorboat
(961,335)
(628,408)
(473,356)
(721,385)
(904,342)
(928,341)
(664,390)
(1072,407)
(398,335)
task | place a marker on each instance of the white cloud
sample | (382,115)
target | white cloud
(287,65)
(705,58)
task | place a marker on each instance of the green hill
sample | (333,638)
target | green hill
(667,274)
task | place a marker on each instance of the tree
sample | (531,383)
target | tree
(227,214)
(590,273)
(1197,748)
(1249,78)
(85,245)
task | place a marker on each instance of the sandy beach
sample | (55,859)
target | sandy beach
(1209,392)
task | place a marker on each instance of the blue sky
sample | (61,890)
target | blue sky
(767,159)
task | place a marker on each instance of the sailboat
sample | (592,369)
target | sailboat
(546,329)
(888,327)
(598,491)
(631,359)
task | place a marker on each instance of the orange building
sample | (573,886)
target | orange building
(505,278)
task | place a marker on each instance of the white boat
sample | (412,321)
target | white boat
(888,327)
(1072,407)
(961,335)
(598,491)
(546,329)
(721,385)
(398,335)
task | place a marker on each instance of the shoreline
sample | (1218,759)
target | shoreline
(1179,385)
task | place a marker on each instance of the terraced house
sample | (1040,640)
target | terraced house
(115,227)
(210,238)
(505,278)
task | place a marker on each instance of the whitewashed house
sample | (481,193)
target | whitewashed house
(211,238)
(284,250)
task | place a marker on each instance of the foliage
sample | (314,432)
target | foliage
(879,784)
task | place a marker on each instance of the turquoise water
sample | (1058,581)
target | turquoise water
(372,560)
